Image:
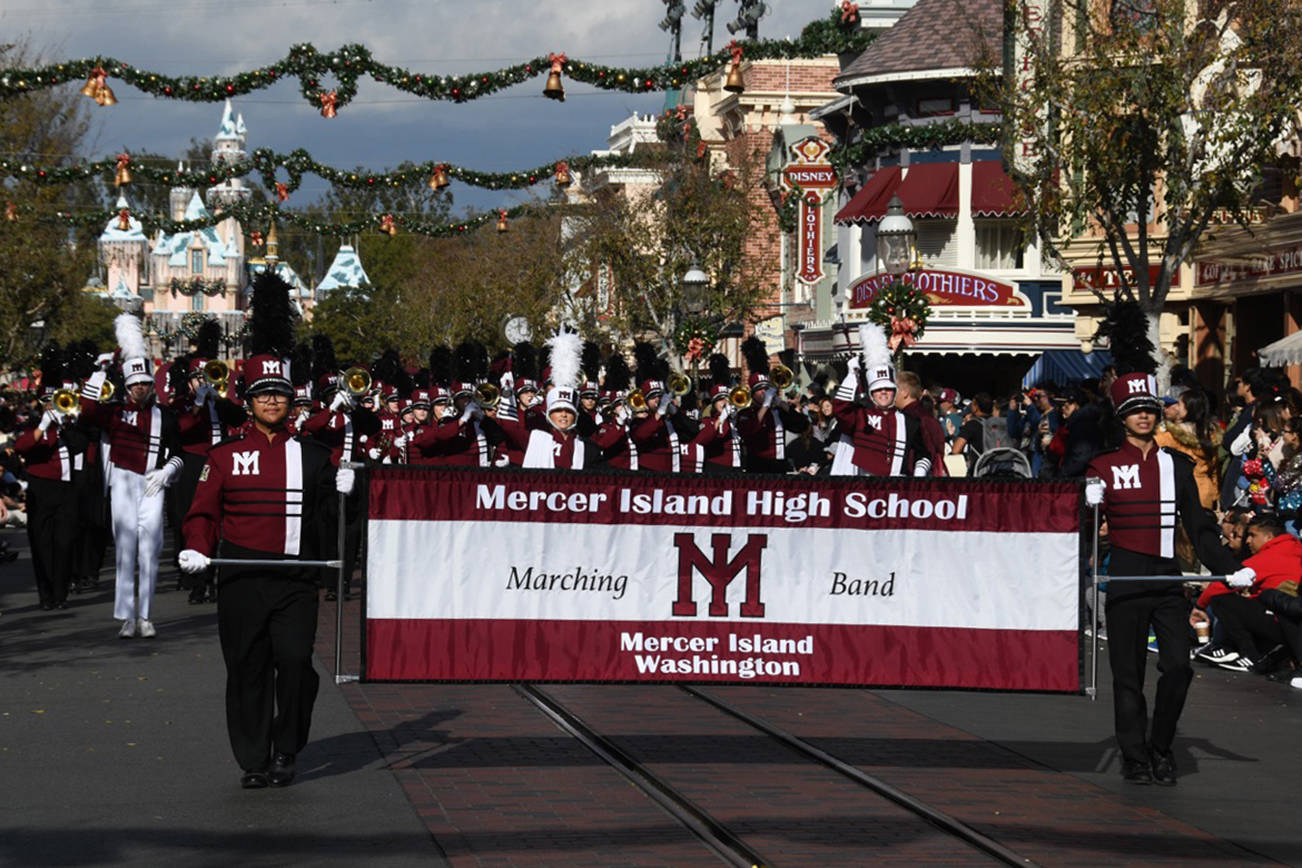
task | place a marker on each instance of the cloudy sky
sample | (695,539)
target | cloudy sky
(515,128)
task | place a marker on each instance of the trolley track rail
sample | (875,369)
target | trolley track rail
(729,846)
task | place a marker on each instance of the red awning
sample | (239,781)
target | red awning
(930,190)
(871,200)
(993,193)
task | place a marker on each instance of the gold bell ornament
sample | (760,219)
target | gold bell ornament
(554,89)
(122,175)
(439,180)
(734,83)
(501,221)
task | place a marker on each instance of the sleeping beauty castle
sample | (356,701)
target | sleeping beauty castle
(178,280)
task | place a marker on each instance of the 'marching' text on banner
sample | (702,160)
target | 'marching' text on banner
(539,576)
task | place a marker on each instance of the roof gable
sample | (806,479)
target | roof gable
(934,34)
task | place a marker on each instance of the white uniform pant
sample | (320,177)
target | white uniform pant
(138,541)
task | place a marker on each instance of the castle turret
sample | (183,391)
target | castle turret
(228,147)
(178,198)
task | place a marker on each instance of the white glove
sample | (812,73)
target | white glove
(769,395)
(853,362)
(342,401)
(1241,578)
(374,452)
(1094,490)
(401,440)
(48,418)
(204,394)
(1243,442)
(472,411)
(665,407)
(621,414)
(345,479)
(192,562)
(156,481)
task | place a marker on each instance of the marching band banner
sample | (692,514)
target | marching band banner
(545,576)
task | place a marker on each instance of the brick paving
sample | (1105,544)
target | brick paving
(498,784)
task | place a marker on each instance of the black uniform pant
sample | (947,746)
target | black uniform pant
(92,514)
(1249,628)
(267,625)
(52,533)
(1132,609)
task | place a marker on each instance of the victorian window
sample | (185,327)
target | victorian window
(196,262)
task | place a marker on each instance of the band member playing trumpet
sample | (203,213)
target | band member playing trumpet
(718,436)
(765,420)
(50,448)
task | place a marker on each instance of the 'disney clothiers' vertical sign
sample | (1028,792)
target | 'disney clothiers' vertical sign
(812,178)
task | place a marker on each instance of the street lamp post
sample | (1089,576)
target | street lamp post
(896,239)
(694,284)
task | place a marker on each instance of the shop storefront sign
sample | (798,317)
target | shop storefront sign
(1105,280)
(1277,262)
(943,288)
(814,177)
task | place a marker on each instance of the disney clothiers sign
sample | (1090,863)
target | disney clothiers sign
(943,288)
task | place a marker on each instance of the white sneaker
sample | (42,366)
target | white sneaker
(147,630)
(128,629)
(1296,682)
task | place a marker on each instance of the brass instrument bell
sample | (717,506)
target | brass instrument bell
(487,395)
(678,383)
(357,381)
(216,373)
(636,401)
(65,402)
(781,377)
(739,397)
(106,392)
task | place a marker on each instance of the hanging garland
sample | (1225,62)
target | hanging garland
(250,214)
(896,136)
(328,81)
(903,310)
(283,173)
(194,285)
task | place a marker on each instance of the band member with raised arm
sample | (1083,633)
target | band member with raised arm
(718,437)
(556,443)
(650,429)
(617,448)
(765,423)
(144,453)
(876,438)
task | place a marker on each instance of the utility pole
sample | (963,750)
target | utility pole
(704,11)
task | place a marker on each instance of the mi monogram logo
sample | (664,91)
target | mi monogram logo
(719,573)
(270,367)
(130,417)
(1126,477)
(1137,387)
(246,464)
(875,421)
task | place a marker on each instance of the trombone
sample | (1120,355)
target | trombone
(357,381)
(636,401)
(106,392)
(782,377)
(739,397)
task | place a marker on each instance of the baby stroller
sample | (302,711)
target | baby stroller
(1002,463)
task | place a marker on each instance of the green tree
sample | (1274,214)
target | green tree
(648,242)
(1134,123)
(43,264)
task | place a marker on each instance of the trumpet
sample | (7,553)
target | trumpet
(216,374)
(487,395)
(636,401)
(66,403)
(782,377)
(739,397)
(357,381)
(106,392)
(678,383)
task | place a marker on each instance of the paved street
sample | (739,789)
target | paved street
(114,753)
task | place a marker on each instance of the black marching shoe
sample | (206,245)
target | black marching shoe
(282,770)
(1133,772)
(254,780)
(1163,768)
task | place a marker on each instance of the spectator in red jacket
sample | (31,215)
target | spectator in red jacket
(1250,629)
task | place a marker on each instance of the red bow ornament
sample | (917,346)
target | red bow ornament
(328,103)
(255,238)
(282,191)
(903,331)
(849,12)
(557,61)
(695,347)
(736,50)
(124,220)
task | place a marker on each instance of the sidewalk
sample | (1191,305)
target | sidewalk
(114,752)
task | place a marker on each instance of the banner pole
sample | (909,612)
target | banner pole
(1094,613)
(340,541)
